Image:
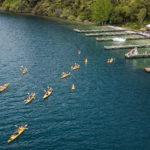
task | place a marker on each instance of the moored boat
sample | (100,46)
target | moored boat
(30,98)
(25,70)
(119,39)
(48,93)
(19,131)
(64,75)
(147,69)
(133,52)
(4,87)
(77,66)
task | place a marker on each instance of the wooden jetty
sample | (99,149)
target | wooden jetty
(138,56)
(110,34)
(126,47)
(130,38)
(89,31)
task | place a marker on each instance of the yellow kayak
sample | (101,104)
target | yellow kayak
(73,87)
(64,75)
(18,133)
(79,52)
(30,98)
(86,61)
(75,67)
(4,87)
(48,93)
(25,70)
(110,60)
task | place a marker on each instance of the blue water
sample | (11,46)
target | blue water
(109,110)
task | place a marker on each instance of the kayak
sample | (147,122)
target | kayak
(79,52)
(25,70)
(75,67)
(65,75)
(48,93)
(86,61)
(19,131)
(110,60)
(4,87)
(30,98)
(73,87)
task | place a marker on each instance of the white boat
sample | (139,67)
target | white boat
(119,39)
(148,26)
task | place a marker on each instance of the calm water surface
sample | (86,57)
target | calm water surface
(110,109)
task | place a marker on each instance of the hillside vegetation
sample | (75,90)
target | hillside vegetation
(97,11)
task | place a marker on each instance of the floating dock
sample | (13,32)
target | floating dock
(89,31)
(111,34)
(126,47)
(138,56)
(130,38)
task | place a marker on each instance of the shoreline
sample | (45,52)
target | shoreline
(85,23)
(47,17)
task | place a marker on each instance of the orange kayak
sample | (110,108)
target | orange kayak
(25,70)
(30,98)
(19,131)
(4,87)
(48,93)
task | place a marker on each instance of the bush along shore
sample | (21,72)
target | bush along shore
(132,13)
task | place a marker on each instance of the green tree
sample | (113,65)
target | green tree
(141,16)
(101,11)
(116,16)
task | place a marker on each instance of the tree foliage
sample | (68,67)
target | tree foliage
(98,11)
(101,11)
(131,11)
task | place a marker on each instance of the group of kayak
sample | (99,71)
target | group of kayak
(75,67)
(31,96)
(5,86)
(21,129)
(66,74)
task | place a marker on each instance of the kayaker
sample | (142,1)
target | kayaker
(16,133)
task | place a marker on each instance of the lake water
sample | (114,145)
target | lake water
(110,108)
